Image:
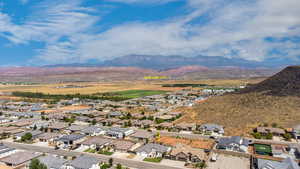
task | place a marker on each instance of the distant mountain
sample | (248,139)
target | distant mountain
(170,62)
(158,62)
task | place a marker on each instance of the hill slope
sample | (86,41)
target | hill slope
(275,100)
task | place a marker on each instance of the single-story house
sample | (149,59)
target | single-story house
(117,132)
(69,141)
(94,131)
(52,162)
(234,143)
(141,135)
(152,150)
(288,163)
(34,133)
(213,129)
(83,162)
(267,130)
(182,152)
(296,132)
(96,143)
(19,158)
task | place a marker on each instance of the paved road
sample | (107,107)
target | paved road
(126,162)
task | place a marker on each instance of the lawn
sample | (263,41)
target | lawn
(105,153)
(153,160)
(137,93)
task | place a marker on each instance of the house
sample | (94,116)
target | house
(122,145)
(186,126)
(94,131)
(182,152)
(212,129)
(164,126)
(234,143)
(19,158)
(152,150)
(97,143)
(49,137)
(117,132)
(115,114)
(75,128)
(296,132)
(34,133)
(287,163)
(109,122)
(39,124)
(143,123)
(143,136)
(57,126)
(267,130)
(69,141)
(6,151)
(83,162)
(52,162)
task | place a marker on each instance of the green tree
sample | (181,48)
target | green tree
(36,164)
(94,121)
(119,166)
(287,136)
(111,161)
(26,137)
(269,136)
(201,165)
(257,135)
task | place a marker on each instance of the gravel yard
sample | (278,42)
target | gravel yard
(229,162)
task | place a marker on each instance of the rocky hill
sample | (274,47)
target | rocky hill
(284,83)
(274,100)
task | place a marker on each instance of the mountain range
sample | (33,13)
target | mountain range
(159,62)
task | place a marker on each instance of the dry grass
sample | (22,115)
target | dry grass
(94,87)
(240,113)
(172,141)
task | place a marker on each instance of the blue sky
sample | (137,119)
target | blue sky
(42,32)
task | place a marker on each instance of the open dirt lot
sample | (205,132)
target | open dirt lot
(201,144)
(229,162)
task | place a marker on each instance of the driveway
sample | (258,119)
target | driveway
(229,162)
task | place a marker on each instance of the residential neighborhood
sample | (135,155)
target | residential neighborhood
(142,130)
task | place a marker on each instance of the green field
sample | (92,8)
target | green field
(136,93)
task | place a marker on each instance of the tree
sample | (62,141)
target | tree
(94,121)
(256,135)
(119,166)
(269,136)
(201,165)
(26,137)
(36,164)
(34,127)
(111,161)
(287,136)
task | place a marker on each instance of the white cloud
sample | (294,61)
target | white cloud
(233,29)
(52,21)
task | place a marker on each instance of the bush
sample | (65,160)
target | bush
(257,135)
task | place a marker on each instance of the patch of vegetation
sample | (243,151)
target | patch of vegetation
(69,96)
(185,85)
(108,153)
(153,160)
(134,93)
(36,164)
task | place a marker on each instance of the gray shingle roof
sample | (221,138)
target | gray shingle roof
(84,162)
(52,162)
(149,147)
(71,137)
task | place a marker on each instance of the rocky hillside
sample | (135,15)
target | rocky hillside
(284,83)
(275,100)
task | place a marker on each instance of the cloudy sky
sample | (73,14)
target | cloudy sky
(36,32)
